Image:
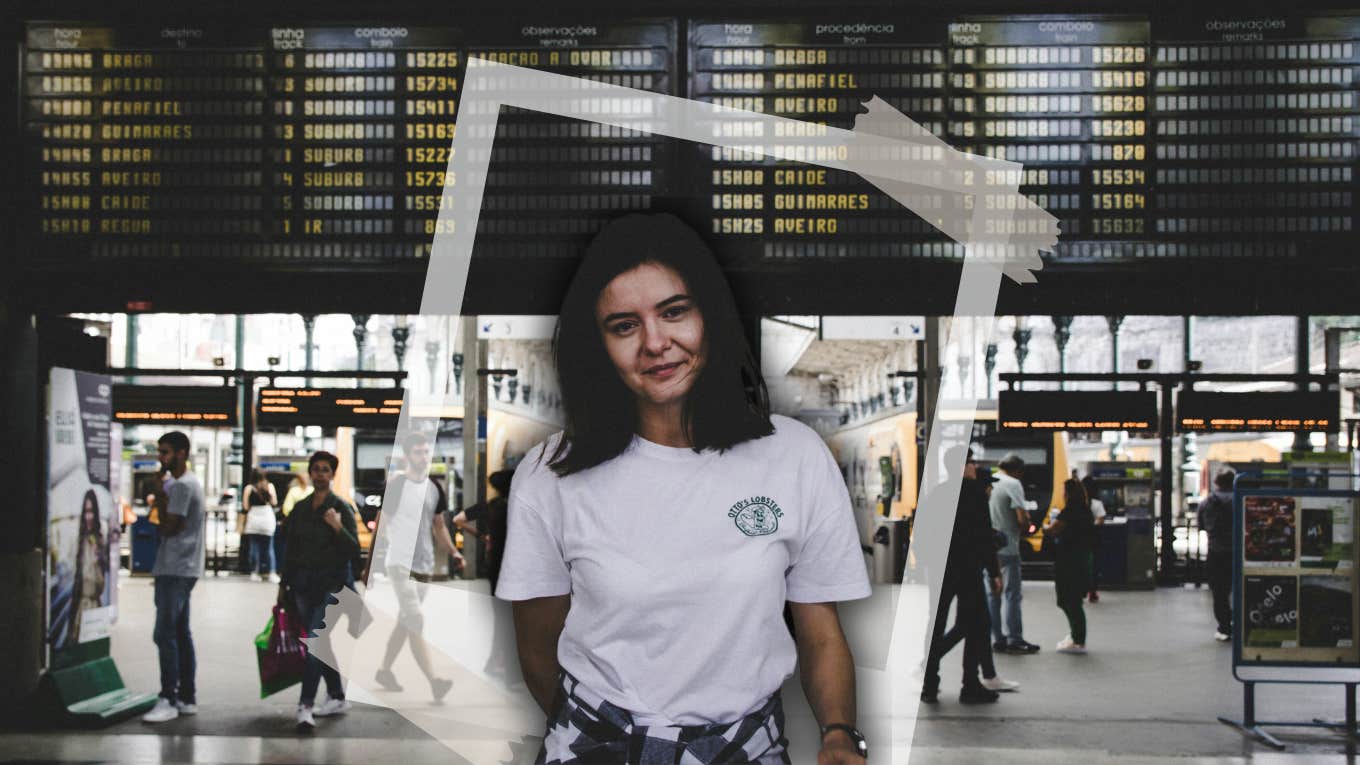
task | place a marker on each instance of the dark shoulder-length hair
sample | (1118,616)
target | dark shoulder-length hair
(1075,495)
(729,402)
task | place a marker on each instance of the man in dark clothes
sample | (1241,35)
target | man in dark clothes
(971,549)
(1216,519)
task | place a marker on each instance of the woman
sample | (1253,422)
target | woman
(653,543)
(259,502)
(1071,530)
(92,563)
(297,489)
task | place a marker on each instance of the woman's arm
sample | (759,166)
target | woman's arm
(828,675)
(538,625)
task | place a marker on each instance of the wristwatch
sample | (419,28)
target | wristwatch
(861,745)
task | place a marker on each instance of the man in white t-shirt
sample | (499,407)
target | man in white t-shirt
(679,564)
(1010,515)
(408,527)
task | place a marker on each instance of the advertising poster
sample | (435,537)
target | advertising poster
(1326,533)
(1271,605)
(1269,526)
(80,579)
(1325,619)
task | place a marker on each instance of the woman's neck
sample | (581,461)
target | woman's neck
(663,425)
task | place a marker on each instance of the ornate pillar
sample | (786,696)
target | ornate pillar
(1062,333)
(401,335)
(360,337)
(1021,337)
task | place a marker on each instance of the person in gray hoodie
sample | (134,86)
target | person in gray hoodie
(1216,520)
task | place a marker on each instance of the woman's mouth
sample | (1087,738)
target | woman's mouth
(663,371)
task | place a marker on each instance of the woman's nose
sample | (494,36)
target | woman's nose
(655,339)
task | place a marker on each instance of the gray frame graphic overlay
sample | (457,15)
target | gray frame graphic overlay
(974,200)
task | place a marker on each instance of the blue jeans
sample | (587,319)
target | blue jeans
(173,640)
(311,595)
(1014,631)
(260,552)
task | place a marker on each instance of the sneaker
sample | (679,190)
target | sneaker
(440,686)
(387,680)
(999,685)
(331,706)
(255,577)
(186,708)
(930,695)
(1000,646)
(1022,648)
(163,711)
(274,579)
(305,721)
(1222,636)
(976,694)
(1066,645)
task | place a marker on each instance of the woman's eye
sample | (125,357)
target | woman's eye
(621,327)
(676,311)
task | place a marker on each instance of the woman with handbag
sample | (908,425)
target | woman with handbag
(259,502)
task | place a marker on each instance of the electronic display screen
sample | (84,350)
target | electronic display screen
(174,404)
(328,407)
(1077,410)
(1202,411)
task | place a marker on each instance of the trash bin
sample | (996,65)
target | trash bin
(890,551)
(145,540)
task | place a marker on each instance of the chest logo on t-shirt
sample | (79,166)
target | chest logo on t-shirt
(756,516)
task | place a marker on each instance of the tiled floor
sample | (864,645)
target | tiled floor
(1151,689)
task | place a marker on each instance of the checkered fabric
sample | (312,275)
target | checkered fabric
(586,729)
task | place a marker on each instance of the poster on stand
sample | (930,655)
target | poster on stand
(1270,531)
(80,579)
(1271,612)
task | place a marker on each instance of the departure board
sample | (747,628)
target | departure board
(554,182)
(1067,97)
(328,407)
(145,135)
(820,73)
(361,122)
(1256,120)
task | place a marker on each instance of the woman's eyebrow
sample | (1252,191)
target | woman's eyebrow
(672,299)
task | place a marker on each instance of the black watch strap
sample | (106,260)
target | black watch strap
(861,745)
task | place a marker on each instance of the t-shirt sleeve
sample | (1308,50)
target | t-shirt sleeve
(179,497)
(533,565)
(829,564)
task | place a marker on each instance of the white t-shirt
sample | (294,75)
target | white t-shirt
(406,530)
(679,565)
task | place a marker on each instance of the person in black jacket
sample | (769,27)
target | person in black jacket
(1216,519)
(971,549)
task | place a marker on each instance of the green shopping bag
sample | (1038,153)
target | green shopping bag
(280,654)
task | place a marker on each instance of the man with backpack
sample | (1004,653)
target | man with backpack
(409,525)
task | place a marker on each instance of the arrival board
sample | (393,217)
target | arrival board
(1151,138)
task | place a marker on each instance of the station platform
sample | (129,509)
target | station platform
(1150,691)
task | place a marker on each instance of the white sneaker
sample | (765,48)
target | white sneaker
(331,706)
(1067,646)
(1222,637)
(305,723)
(186,709)
(255,577)
(274,579)
(163,711)
(999,685)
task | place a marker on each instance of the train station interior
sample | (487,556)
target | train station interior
(1108,248)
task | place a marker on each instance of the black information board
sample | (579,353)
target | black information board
(328,407)
(174,404)
(1077,410)
(554,182)
(1256,120)
(819,73)
(322,144)
(1172,146)
(1204,411)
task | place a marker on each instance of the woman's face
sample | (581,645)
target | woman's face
(652,332)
